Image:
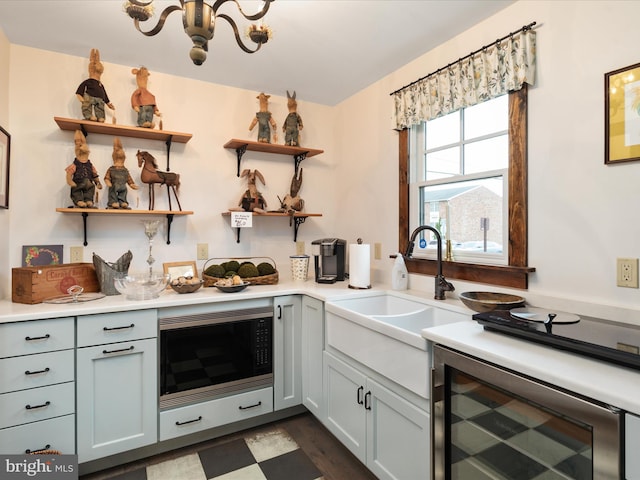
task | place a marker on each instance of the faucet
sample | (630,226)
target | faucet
(442,285)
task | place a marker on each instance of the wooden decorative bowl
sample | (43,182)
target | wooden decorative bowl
(488,301)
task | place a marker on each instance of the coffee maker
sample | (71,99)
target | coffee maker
(329,259)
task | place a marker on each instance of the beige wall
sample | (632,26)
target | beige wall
(582,214)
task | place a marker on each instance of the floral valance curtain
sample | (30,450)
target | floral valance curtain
(493,71)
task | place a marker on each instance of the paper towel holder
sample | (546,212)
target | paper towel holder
(359,242)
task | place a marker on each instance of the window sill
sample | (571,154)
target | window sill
(502,275)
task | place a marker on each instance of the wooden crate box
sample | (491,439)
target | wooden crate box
(34,284)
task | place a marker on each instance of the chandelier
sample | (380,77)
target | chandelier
(199,19)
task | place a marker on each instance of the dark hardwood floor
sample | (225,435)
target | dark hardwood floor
(325,451)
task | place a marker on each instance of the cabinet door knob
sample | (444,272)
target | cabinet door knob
(120,350)
(189,421)
(367,401)
(28,372)
(109,329)
(32,339)
(359,395)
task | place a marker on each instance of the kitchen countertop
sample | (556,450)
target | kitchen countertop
(612,384)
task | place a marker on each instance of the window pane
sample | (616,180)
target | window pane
(468,213)
(443,163)
(486,118)
(486,155)
(443,131)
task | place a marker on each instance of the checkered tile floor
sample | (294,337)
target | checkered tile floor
(496,436)
(271,455)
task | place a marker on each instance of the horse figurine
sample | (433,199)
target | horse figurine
(151,175)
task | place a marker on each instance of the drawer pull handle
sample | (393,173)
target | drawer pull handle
(189,421)
(45,404)
(46,447)
(250,406)
(110,329)
(120,350)
(36,372)
(32,339)
(359,395)
(367,401)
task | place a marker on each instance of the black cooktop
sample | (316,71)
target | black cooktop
(601,339)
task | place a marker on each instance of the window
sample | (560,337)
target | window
(511,268)
(458,182)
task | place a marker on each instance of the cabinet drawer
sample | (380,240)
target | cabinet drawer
(37,336)
(54,434)
(194,418)
(36,404)
(117,327)
(19,373)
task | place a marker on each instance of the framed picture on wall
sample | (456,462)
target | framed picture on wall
(622,115)
(5,150)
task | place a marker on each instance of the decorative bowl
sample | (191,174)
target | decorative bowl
(141,286)
(488,301)
(231,288)
(186,287)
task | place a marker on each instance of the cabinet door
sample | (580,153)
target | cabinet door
(287,371)
(312,348)
(397,435)
(117,398)
(632,446)
(344,401)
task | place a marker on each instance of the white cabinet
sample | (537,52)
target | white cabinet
(386,432)
(221,411)
(632,446)
(117,386)
(312,348)
(37,386)
(287,369)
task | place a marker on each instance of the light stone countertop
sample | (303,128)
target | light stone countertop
(612,384)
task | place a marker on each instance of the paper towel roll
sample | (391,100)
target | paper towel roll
(359,266)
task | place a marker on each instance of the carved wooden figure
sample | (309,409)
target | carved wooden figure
(118,177)
(252,200)
(82,176)
(264,121)
(293,122)
(91,93)
(151,176)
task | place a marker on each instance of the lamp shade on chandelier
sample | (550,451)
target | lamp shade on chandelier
(199,20)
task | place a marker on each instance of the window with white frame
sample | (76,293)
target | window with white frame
(458,182)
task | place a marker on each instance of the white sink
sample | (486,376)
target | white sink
(384,332)
(381,305)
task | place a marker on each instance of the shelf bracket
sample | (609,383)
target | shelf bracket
(84,226)
(169,222)
(297,221)
(84,131)
(298,160)
(238,235)
(240,151)
(168,144)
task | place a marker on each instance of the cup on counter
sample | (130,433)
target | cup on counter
(299,267)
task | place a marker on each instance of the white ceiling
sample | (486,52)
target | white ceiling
(325,50)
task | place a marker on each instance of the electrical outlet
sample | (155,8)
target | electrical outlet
(203,251)
(627,272)
(76,254)
(377,251)
(299,247)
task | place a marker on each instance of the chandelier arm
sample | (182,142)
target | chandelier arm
(237,34)
(163,17)
(257,16)
(139,3)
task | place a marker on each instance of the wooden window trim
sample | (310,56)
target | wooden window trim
(516,274)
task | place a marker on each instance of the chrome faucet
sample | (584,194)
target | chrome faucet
(442,285)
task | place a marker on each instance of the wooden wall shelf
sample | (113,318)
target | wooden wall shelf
(298,153)
(298,218)
(87,126)
(105,211)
